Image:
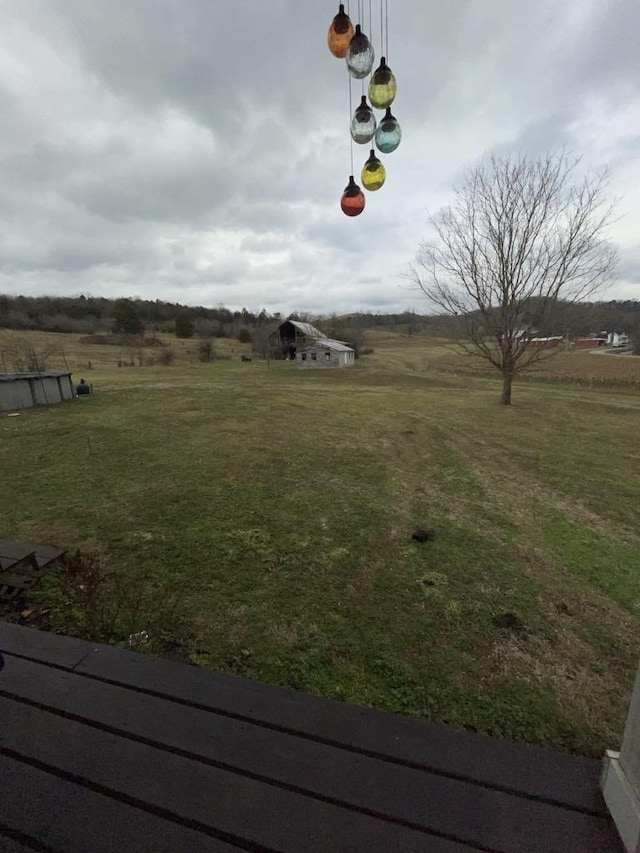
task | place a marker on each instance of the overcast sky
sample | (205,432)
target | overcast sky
(196,150)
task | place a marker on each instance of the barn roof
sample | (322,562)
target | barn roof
(307,329)
(329,343)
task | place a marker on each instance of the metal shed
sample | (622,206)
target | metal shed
(23,390)
(326,353)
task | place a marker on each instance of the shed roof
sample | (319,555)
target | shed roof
(329,343)
(45,374)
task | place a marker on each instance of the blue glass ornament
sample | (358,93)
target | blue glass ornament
(388,133)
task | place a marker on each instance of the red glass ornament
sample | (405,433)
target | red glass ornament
(353,200)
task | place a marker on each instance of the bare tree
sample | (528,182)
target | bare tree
(20,352)
(261,340)
(520,237)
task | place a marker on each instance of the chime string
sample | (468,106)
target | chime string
(350,114)
(370,37)
(362,23)
(386,29)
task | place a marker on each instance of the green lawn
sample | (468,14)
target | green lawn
(258,519)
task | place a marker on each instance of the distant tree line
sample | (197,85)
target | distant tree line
(91,315)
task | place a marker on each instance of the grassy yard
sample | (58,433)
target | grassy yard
(258,519)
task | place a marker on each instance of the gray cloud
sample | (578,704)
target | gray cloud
(197,152)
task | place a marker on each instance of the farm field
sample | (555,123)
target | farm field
(257,519)
(600,368)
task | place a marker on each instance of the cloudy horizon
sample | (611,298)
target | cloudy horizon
(196,152)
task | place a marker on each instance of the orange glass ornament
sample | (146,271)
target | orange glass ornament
(340,33)
(353,200)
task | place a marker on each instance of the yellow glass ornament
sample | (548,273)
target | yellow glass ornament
(382,86)
(373,173)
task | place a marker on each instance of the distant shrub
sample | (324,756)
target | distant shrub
(244,336)
(166,357)
(184,326)
(126,318)
(206,351)
(367,351)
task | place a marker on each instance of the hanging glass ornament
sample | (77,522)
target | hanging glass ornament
(360,55)
(353,200)
(363,123)
(373,174)
(382,86)
(340,33)
(388,133)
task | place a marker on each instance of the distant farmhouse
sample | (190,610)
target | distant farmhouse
(618,339)
(309,346)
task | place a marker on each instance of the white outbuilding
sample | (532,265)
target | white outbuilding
(326,353)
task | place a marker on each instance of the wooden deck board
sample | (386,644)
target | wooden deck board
(70,817)
(393,791)
(217,801)
(567,780)
(252,767)
(52,649)
(10,845)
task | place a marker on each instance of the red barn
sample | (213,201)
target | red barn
(590,343)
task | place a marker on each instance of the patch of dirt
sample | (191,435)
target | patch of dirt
(284,633)
(424,534)
(510,622)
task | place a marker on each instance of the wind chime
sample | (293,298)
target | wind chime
(356,48)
